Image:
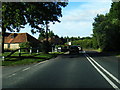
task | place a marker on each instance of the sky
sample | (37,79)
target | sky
(77,19)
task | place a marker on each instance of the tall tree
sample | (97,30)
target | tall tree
(42,34)
(17,14)
(106,29)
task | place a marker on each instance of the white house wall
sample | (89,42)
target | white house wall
(11,46)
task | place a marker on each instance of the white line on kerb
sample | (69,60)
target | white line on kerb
(12,75)
(113,77)
(109,81)
(26,69)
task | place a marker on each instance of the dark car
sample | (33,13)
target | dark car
(74,50)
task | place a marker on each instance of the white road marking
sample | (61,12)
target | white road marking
(108,80)
(12,75)
(41,62)
(113,77)
(26,69)
(36,64)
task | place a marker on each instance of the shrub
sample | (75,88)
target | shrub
(25,45)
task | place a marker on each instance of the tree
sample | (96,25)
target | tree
(100,29)
(42,35)
(36,14)
(51,34)
(106,29)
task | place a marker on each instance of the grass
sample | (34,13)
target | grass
(17,54)
(26,58)
(90,49)
(57,52)
(20,62)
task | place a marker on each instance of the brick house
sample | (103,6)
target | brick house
(12,40)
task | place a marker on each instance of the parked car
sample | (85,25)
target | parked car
(73,49)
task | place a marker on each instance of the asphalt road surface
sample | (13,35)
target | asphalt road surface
(84,70)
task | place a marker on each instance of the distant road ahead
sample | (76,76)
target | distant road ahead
(85,70)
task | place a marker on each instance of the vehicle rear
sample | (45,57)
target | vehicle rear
(74,50)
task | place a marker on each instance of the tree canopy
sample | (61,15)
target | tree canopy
(17,14)
(106,29)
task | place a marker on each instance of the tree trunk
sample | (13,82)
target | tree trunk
(3,37)
(47,42)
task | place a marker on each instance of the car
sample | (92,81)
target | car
(73,50)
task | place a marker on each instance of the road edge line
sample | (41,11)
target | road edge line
(26,69)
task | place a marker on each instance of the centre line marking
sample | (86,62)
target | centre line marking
(113,77)
(108,80)
(26,69)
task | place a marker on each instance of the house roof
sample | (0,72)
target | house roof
(53,39)
(19,38)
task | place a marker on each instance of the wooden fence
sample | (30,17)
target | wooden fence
(30,50)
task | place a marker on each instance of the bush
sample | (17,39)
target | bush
(46,47)
(30,45)
(25,45)
(85,43)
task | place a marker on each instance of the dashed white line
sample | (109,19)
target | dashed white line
(12,75)
(26,69)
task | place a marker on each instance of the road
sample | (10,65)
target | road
(85,70)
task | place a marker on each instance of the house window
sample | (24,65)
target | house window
(12,36)
(8,45)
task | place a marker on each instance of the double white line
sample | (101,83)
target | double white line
(91,60)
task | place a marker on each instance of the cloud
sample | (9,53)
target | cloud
(92,0)
(78,21)
(78,18)
(72,29)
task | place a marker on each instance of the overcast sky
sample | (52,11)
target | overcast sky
(78,17)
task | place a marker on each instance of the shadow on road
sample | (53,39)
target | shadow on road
(72,55)
(102,54)
(91,53)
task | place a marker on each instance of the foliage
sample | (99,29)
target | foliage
(25,45)
(29,45)
(106,29)
(46,47)
(17,14)
(85,43)
(42,34)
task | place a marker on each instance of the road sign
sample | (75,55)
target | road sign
(69,43)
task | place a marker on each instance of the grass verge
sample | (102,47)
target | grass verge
(26,59)
(97,50)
